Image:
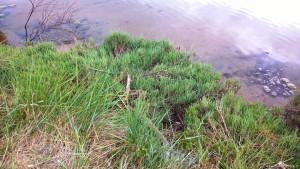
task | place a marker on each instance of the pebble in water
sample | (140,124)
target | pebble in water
(291,86)
(260,69)
(285,80)
(270,76)
(278,82)
(274,94)
(267,89)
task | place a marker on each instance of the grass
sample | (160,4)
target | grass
(130,103)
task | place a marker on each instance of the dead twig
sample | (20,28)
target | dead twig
(149,122)
(127,91)
(220,112)
(279,165)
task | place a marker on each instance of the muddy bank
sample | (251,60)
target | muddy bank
(3,39)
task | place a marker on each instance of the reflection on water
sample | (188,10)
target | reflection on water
(228,34)
(275,12)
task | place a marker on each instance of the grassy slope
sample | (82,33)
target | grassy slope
(71,110)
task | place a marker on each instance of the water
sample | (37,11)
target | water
(231,35)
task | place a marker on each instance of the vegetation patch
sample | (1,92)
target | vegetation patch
(292,114)
(130,103)
(41,150)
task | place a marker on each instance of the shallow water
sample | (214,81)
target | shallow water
(231,35)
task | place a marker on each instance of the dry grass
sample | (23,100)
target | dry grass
(104,141)
(42,150)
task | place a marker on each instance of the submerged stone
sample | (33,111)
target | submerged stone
(260,69)
(292,86)
(267,89)
(286,94)
(274,94)
(278,82)
(285,80)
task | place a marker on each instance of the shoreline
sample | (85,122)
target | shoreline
(251,89)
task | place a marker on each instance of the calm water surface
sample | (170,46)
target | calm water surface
(231,35)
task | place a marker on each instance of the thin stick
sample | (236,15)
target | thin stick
(32,10)
(127,92)
(149,122)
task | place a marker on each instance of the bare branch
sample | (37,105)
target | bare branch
(32,10)
(52,15)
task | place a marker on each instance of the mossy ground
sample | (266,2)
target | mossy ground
(130,103)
